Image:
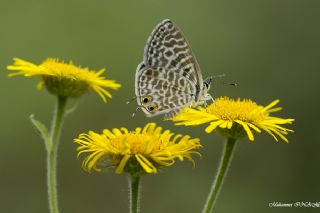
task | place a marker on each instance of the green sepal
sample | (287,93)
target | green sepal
(42,130)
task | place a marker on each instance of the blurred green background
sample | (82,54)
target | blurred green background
(271,48)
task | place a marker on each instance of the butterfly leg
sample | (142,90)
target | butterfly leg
(134,113)
(211,98)
(207,97)
(130,100)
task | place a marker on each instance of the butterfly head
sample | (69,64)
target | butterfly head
(207,83)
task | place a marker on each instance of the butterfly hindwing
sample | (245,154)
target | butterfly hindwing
(161,91)
(169,77)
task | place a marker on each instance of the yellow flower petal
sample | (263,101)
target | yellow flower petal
(272,104)
(247,129)
(229,125)
(254,127)
(213,125)
(225,112)
(224,124)
(122,164)
(146,165)
(148,148)
(64,79)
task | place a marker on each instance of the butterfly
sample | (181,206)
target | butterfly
(169,77)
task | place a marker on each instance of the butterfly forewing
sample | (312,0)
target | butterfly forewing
(167,47)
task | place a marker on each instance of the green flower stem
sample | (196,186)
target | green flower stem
(52,150)
(134,193)
(222,171)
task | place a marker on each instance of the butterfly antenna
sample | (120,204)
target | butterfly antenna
(219,76)
(130,100)
(230,84)
(222,76)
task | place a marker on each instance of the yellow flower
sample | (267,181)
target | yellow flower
(137,152)
(64,79)
(236,118)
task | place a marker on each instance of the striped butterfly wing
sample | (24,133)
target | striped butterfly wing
(167,47)
(162,91)
(169,78)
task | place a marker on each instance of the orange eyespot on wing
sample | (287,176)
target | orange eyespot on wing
(152,108)
(146,100)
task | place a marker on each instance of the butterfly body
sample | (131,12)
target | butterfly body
(169,77)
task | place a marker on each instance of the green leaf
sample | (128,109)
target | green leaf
(42,130)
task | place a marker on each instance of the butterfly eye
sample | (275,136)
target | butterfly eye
(146,100)
(152,108)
